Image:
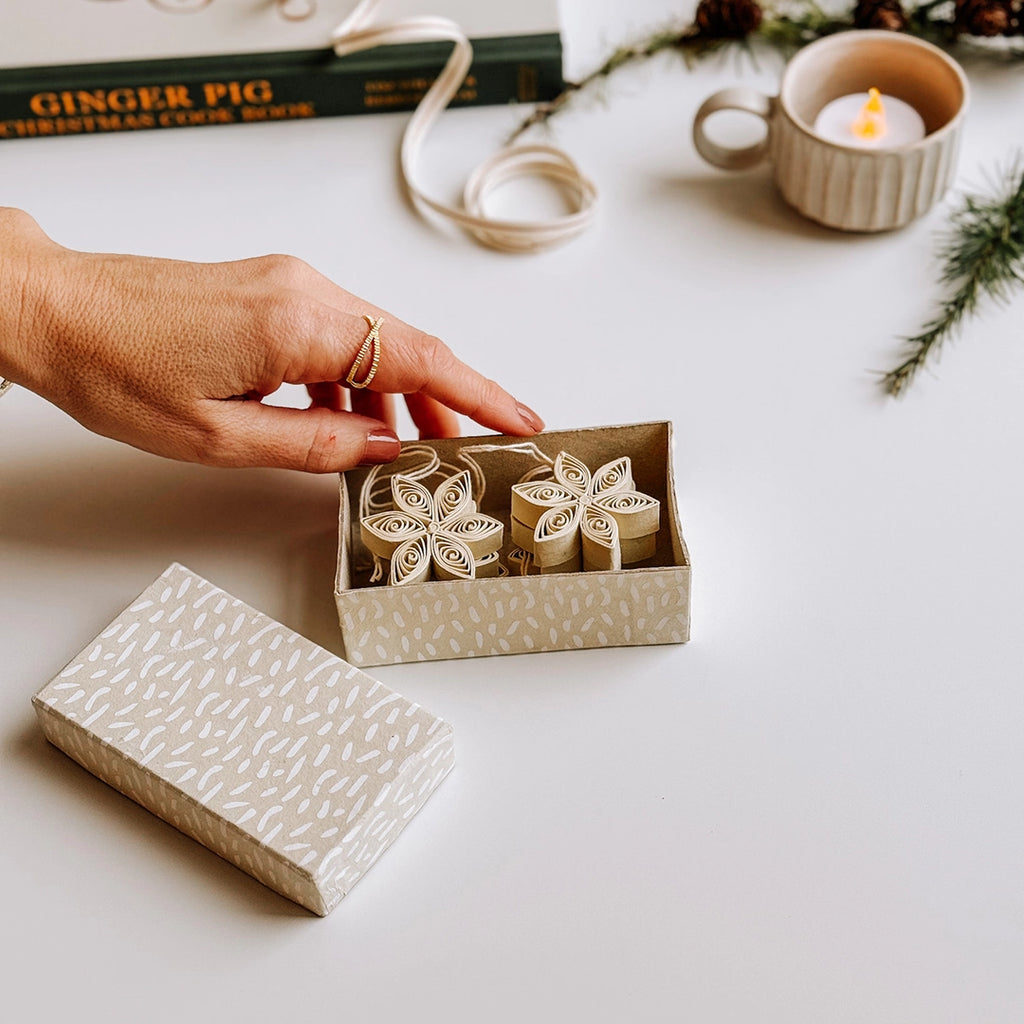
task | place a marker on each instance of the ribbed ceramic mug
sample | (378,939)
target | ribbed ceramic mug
(843,186)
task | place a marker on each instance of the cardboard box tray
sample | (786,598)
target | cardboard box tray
(647,604)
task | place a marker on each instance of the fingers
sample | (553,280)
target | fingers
(319,329)
(412,363)
(327,395)
(431,417)
(316,440)
(449,381)
(373,404)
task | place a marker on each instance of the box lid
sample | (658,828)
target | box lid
(272,751)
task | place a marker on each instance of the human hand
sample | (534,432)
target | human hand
(174,357)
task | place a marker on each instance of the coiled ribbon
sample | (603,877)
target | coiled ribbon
(356,33)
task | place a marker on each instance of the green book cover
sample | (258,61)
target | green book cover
(125,83)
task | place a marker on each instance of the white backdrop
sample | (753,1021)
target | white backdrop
(809,813)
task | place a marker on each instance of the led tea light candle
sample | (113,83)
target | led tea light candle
(842,155)
(870,120)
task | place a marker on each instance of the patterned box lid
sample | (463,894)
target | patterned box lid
(276,754)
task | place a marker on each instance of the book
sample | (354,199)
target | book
(70,67)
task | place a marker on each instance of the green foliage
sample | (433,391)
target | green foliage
(982,255)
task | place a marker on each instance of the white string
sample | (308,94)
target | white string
(376,484)
(522,447)
(356,33)
(537,473)
(378,481)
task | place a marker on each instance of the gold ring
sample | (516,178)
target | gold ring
(371,343)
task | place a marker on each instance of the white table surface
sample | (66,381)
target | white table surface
(810,813)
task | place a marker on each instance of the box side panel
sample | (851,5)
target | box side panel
(515,615)
(393,809)
(343,576)
(679,551)
(167,802)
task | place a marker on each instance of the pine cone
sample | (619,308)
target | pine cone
(886,14)
(727,19)
(985,17)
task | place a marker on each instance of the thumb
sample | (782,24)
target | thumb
(315,440)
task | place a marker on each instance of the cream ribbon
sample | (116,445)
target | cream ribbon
(356,33)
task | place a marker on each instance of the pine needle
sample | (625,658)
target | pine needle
(981,257)
(685,41)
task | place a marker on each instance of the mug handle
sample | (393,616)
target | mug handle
(749,101)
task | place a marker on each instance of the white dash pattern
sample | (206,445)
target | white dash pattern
(116,729)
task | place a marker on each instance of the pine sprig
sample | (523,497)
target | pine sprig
(686,41)
(783,26)
(798,24)
(982,257)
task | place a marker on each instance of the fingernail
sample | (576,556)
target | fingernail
(381,446)
(529,417)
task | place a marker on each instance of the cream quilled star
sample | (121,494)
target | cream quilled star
(433,536)
(595,521)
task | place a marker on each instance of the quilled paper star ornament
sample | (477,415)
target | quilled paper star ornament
(579,520)
(438,536)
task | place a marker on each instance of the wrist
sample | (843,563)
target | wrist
(23,248)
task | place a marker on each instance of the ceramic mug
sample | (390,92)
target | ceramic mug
(841,186)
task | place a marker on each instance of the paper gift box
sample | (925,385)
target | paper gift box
(648,603)
(287,761)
